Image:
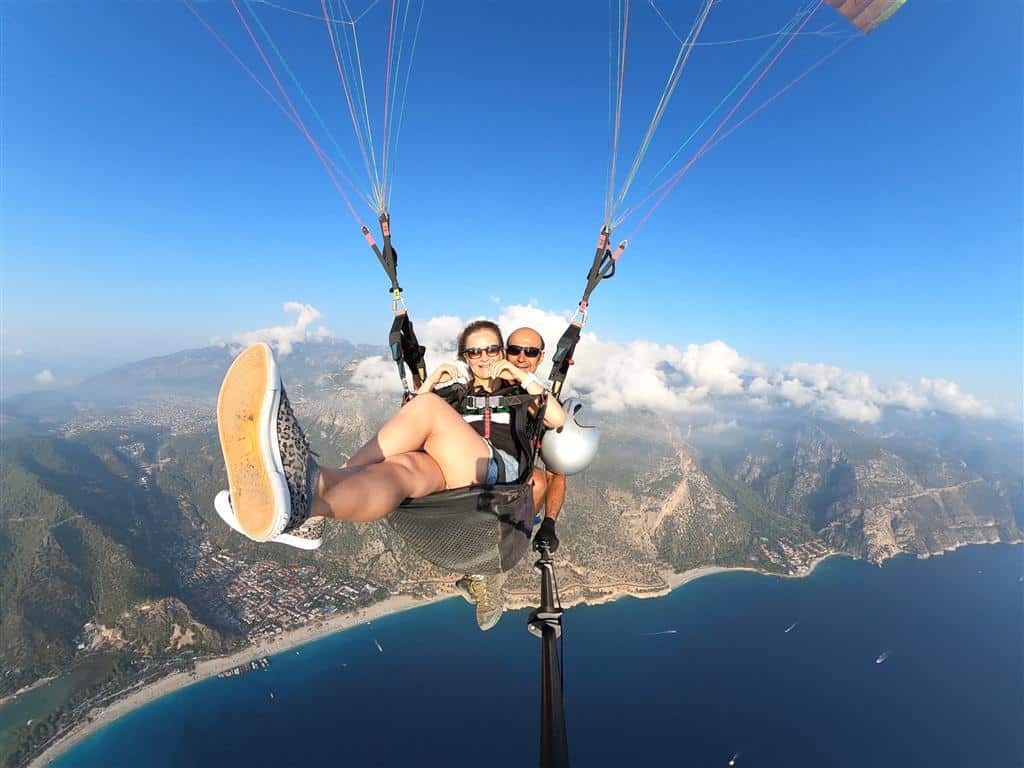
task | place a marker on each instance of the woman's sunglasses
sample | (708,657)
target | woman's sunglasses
(473,353)
(513,350)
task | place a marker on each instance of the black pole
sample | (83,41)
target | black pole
(546,623)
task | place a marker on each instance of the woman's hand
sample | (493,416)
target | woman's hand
(503,369)
(443,374)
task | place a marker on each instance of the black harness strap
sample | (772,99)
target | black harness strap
(405,347)
(406,350)
(562,358)
(388,258)
(602,268)
(526,428)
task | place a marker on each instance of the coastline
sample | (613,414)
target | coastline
(103,716)
(38,683)
(211,667)
(99,718)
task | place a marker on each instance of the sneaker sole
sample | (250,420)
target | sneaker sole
(247,423)
(222,504)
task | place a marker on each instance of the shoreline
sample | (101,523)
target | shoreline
(208,668)
(40,682)
(339,623)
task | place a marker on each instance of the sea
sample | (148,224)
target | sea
(915,663)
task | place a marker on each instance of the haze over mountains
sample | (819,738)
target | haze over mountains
(107,495)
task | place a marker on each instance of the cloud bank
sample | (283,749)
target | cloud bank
(695,378)
(283,337)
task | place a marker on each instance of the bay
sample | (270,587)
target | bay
(704,675)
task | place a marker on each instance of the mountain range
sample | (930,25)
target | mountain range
(107,512)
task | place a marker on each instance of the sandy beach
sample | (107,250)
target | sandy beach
(211,667)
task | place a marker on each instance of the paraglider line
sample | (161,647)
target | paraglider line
(302,92)
(291,118)
(670,184)
(387,100)
(315,16)
(298,118)
(623,40)
(725,100)
(677,72)
(781,91)
(366,109)
(405,94)
(345,89)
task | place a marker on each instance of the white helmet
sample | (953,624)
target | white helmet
(570,448)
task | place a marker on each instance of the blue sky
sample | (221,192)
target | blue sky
(154,198)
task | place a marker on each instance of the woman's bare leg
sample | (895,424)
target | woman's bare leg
(428,423)
(361,494)
(422,449)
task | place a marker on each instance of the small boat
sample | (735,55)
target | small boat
(791,627)
(663,632)
(273,695)
(882,657)
(378,646)
(734,758)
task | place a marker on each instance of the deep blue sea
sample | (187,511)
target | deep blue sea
(730,681)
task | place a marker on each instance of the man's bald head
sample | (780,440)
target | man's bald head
(525,340)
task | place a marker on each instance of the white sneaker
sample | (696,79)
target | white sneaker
(309,535)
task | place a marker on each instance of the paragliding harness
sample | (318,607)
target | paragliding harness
(486,529)
(479,529)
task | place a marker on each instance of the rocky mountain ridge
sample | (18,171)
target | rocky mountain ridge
(101,502)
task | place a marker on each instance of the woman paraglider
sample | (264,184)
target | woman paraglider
(278,491)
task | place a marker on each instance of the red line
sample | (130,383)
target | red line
(348,96)
(671,182)
(387,92)
(298,119)
(795,80)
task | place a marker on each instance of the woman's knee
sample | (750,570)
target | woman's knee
(421,474)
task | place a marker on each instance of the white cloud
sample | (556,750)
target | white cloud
(662,377)
(946,396)
(44,377)
(19,352)
(283,337)
(438,335)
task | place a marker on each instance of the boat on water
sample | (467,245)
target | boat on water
(791,627)
(377,642)
(882,657)
(664,632)
(734,758)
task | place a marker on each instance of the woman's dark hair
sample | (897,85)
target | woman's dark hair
(478,325)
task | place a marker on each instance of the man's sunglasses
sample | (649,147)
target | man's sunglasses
(473,353)
(514,350)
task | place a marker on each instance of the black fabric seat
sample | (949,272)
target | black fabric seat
(480,529)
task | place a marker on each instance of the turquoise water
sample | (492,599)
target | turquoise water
(729,680)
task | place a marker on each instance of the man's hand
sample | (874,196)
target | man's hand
(546,536)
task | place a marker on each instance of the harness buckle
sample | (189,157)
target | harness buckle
(397,302)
